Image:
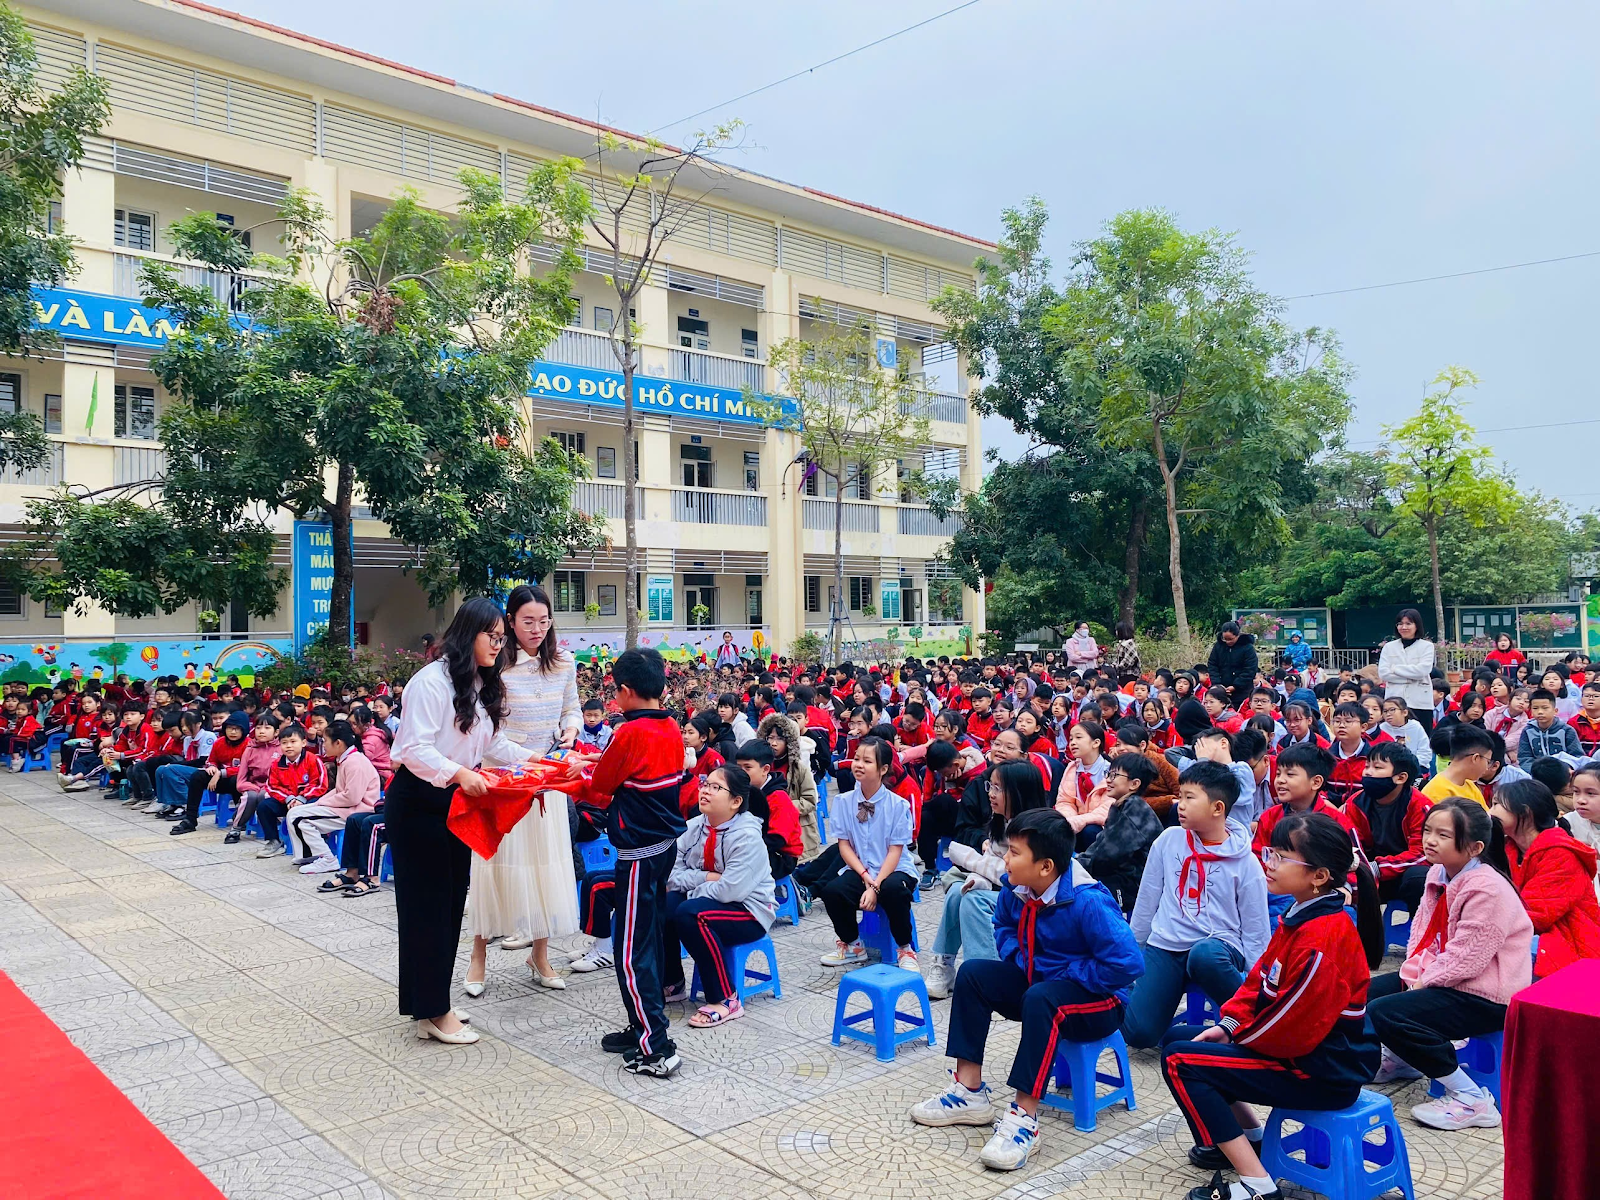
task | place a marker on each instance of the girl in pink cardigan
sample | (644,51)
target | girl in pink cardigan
(1470,950)
(1082,798)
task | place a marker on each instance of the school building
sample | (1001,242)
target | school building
(216,112)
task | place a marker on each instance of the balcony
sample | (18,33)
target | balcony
(718,370)
(916,521)
(605,499)
(855,518)
(701,506)
(939,406)
(227,286)
(47,474)
(136,464)
(583,348)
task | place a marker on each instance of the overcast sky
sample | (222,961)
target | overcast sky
(1346,146)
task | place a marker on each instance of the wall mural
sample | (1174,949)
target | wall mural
(676,645)
(196,660)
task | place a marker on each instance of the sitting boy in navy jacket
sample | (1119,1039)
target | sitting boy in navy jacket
(1066,959)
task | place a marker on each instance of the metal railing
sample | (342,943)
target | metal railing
(582,348)
(136,464)
(49,473)
(938,406)
(855,518)
(702,507)
(920,522)
(605,499)
(718,370)
(227,286)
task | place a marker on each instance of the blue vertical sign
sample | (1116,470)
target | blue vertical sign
(313,579)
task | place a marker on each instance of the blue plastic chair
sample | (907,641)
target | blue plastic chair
(37,759)
(1330,1154)
(883,986)
(789,904)
(941,860)
(1480,1058)
(875,933)
(385,865)
(1199,1009)
(747,981)
(1396,933)
(822,808)
(1078,1073)
(598,855)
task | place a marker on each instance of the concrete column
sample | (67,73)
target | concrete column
(785,556)
(655,333)
(88,210)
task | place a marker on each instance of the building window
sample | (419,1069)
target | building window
(135,412)
(604,319)
(572,443)
(567,591)
(53,221)
(52,413)
(811,483)
(698,469)
(575,321)
(10,601)
(752,470)
(52,609)
(606,596)
(890,608)
(860,592)
(752,599)
(10,393)
(134,230)
(605,462)
(749,343)
(814,593)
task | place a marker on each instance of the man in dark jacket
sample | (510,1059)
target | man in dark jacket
(1233,663)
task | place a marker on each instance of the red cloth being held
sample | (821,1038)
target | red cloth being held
(482,821)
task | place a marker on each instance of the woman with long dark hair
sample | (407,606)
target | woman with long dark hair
(527,893)
(1405,665)
(451,722)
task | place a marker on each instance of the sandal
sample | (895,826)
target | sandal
(335,884)
(716,1014)
(233,838)
(362,887)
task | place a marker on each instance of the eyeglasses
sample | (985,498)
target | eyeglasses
(1276,858)
(496,639)
(534,623)
(707,785)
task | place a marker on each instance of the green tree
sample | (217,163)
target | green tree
(856,420)
(113,654)
(41,139)
(394,363)
(643,193)
(1189,361)
(1441,477)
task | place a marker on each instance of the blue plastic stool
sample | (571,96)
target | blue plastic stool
(1480,1058)
(941,860)
(1334,1153)
(385,865)
(1197,1010)
(598,855)
(876,935)
(334,840)
(1396,933)
(822,808)
(883,986)
(36,760)
(1077,1071)
(208,802)
(789,906)
(747,981)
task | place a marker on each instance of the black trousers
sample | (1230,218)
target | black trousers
(141,775)
(1051,1010)
(705,927)
(1205,1078)
(638,937)
(227,785)
(1419,1025)
(841,896)
(938,822)
(431,867)
(594,903)
(812,875)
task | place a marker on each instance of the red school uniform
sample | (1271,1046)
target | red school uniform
(1276,812)
(983,729)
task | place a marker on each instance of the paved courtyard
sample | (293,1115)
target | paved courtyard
(254,1022)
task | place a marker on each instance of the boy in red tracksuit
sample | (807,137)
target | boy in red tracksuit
(297,776)
(1586,724)
(23,733)
(636,782)
(162,745)
(816,722)
(1387,815)
(1295,1033)
(980,724)
(1349,749)
(1303,772)
(80,752)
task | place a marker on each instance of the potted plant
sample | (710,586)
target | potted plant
(700,615)
(868,609)
(591,610)
(1264,626)
(1545,627)
(208,621)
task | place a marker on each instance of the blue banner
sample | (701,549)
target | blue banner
(312,559)
(90,317)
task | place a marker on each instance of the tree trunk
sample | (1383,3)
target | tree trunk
(1127,602)
(836,608)
(630,506)
(341,629)
(1169,478)
(1432,526)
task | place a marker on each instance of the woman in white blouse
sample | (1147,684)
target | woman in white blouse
(528,891)
(451,722)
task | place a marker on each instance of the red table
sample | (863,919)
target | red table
(1547,1087)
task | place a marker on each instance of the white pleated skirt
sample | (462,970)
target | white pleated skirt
(528,888)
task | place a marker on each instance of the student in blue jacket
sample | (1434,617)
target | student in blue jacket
(1066,959)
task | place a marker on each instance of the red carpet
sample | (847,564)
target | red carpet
(67,1132)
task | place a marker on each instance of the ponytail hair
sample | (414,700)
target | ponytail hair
(1470,823)
(1322,842)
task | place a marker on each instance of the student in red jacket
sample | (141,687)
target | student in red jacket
(80,753)
(1303,772)
(1349,749)
(1387,815)
(1553,873)
(1295,1032)
(981,726)
(297,776)
(23,733)
(770,801)
(700,758)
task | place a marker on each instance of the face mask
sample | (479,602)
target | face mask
(1376,787)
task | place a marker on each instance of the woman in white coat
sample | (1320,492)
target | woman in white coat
(1405,666)
(527,892)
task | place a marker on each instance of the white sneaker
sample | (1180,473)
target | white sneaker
(940,977)
(16,762)
(1458,1112)
(1015,1136)
(596,959)
(853,955)
(906,960)
(77,785)
(270,850)
(320,866)
(956,1105)
(1392,1068)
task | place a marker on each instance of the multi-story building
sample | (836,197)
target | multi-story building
(220,113)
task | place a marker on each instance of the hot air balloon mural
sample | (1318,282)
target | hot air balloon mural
(150,656)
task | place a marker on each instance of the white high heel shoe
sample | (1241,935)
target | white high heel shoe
(464,1036)
(547,981)
(473,988)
